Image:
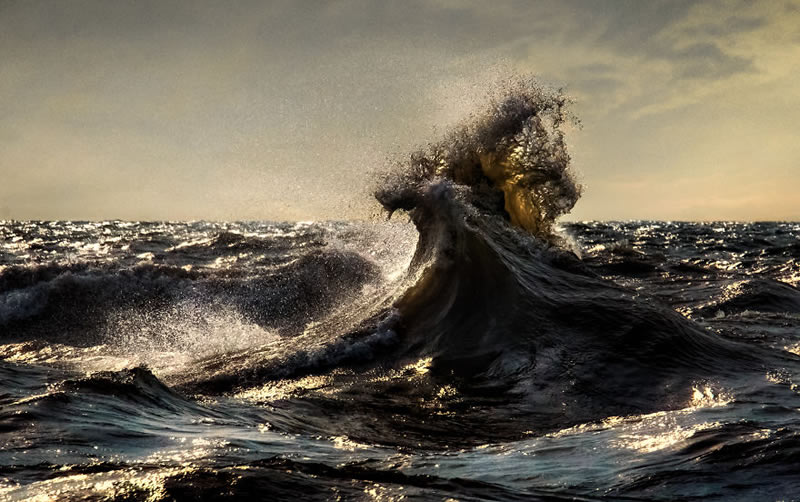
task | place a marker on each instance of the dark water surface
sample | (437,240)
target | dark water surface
(205,361)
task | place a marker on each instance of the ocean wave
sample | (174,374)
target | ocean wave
(72,303)
(494,302)
(757,295)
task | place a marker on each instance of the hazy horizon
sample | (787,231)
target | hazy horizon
(287,110)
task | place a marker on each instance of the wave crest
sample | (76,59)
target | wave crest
(512,157)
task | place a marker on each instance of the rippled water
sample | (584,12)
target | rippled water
(166,361)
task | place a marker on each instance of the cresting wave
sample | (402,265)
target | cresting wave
(510,160)
(492,308)
(499,303)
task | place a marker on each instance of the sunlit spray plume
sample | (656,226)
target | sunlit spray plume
(512,157)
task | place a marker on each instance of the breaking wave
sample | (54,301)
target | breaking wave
(493,299)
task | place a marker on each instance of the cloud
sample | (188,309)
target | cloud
(708,61)
(291,103)
(732,25)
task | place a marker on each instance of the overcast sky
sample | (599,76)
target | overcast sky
(285,110)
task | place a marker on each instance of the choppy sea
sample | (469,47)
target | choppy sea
(358,360)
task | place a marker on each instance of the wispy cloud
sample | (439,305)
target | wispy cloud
(277,109)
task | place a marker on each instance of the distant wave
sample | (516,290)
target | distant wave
(71,302)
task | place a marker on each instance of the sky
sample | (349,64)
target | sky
(288,109)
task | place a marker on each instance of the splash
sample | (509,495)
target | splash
(510,159)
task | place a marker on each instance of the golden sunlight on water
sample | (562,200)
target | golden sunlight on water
(656,431)
(421,367)
(285,389)
(661,430)
(133,483)
(518,199)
